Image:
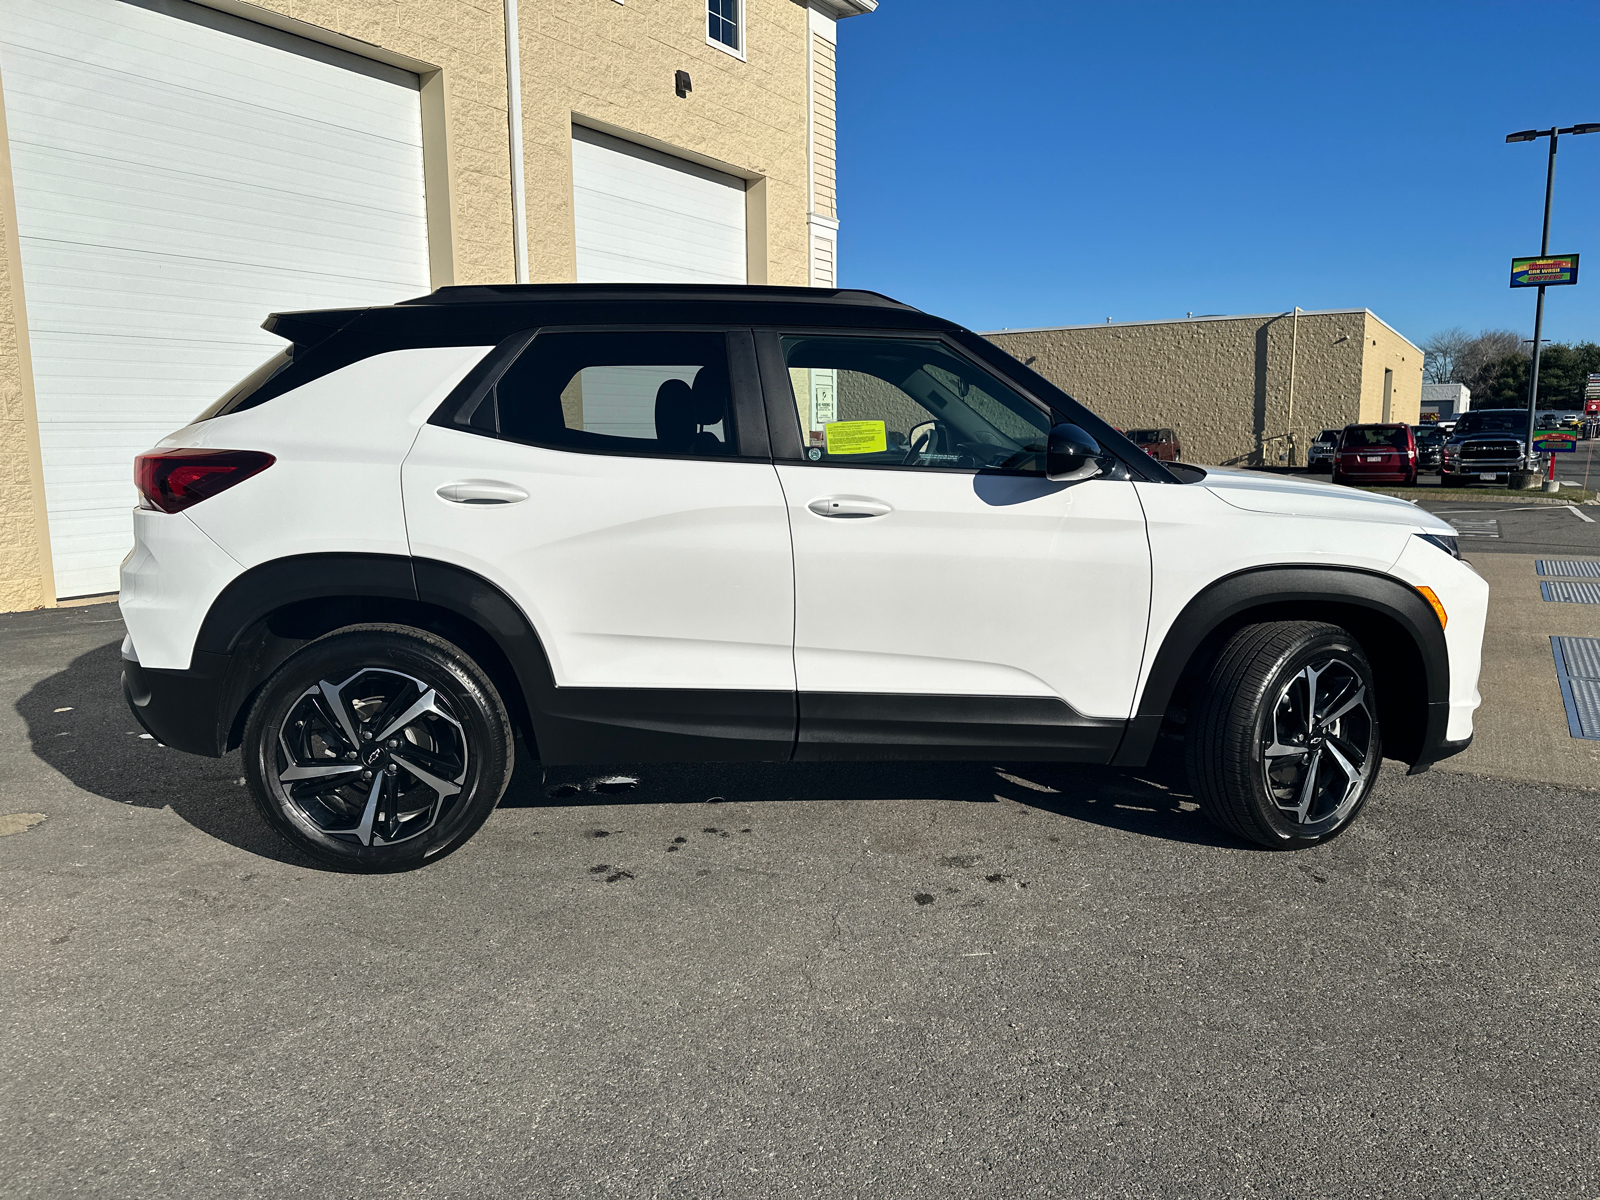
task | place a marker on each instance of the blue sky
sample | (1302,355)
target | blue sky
(1008,164)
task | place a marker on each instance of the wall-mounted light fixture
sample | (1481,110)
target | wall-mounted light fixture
(682,84)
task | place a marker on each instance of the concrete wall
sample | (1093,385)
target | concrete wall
(611,66)
(1222,383)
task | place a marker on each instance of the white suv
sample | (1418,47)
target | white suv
(671,523)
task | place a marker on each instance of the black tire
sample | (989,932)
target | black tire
(1335,476)
(1449,479)
(1249,720)
(432,780)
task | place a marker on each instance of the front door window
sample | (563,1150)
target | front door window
(908,403)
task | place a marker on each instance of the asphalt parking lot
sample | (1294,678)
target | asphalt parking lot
(808,980)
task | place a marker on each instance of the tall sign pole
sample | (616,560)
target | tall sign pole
(1538,308)
(1545,270)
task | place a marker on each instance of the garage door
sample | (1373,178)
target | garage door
(646,217)
(179,174)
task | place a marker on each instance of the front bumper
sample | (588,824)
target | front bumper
(1438,751)
(181,709)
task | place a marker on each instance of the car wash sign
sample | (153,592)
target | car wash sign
(1550,271)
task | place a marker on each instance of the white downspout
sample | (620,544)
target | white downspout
(519,207)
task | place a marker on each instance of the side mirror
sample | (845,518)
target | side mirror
(1072,455)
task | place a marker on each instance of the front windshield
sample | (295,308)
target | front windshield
(1428,434)
(1493,420)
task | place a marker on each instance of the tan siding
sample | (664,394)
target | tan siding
(824,102)
(824,272)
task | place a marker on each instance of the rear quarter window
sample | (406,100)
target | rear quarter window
(238,396)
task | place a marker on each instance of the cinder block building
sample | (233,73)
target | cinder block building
(1233,388)
(172,171)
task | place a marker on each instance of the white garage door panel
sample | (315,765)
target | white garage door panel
(645,217)
(180,174)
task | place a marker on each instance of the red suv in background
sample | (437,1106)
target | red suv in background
(1160,444)
(1376,454)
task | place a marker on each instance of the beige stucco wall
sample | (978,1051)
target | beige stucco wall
(1223,383)
(25,577)
(1381,349)
(612,65)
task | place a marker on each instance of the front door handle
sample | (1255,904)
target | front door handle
(849,506)
(482,491)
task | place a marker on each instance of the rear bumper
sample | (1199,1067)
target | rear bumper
(180,709)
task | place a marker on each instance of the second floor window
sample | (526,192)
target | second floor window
(722,23)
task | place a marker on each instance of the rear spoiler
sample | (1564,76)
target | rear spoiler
(308,329)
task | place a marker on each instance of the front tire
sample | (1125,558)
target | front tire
(377,748)
(1283,745)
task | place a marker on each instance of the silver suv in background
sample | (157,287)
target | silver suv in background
(1319,456)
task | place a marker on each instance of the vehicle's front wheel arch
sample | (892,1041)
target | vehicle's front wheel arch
(1397,631)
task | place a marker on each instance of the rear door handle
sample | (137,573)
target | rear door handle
(482,491)
(849,506)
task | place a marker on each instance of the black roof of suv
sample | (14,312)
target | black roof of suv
(471,314)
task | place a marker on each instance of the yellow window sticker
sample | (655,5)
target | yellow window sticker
(856,437)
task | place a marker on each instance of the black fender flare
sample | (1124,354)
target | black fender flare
(1279,591)
(246,603)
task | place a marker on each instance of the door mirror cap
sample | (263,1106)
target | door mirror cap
(1072,455)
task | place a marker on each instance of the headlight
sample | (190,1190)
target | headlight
(1450,545)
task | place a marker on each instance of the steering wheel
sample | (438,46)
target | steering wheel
(918,446)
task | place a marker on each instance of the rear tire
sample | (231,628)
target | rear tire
(377,748)
(1282,745)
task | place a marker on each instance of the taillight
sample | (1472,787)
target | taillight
(172,480)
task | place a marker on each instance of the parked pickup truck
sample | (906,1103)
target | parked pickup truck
(1487,444)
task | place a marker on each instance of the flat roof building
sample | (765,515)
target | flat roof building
(1232,388)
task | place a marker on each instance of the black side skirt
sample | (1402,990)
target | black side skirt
(638,725)
(845,725)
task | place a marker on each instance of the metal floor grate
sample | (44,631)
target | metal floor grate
(1578,673)
(1565,592)
(1488,527)
(1589,568)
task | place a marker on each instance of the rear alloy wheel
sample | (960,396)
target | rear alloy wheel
(1283,745)
(378,748)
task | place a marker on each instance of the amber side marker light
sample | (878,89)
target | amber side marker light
(1438,609)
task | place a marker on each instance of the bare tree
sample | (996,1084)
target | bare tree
(1490,346)
(1456,356)
(1442,352)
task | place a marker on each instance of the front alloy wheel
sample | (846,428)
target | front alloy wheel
(377,748)
(1283,744)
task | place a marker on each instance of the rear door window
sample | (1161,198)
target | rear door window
(616,392)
